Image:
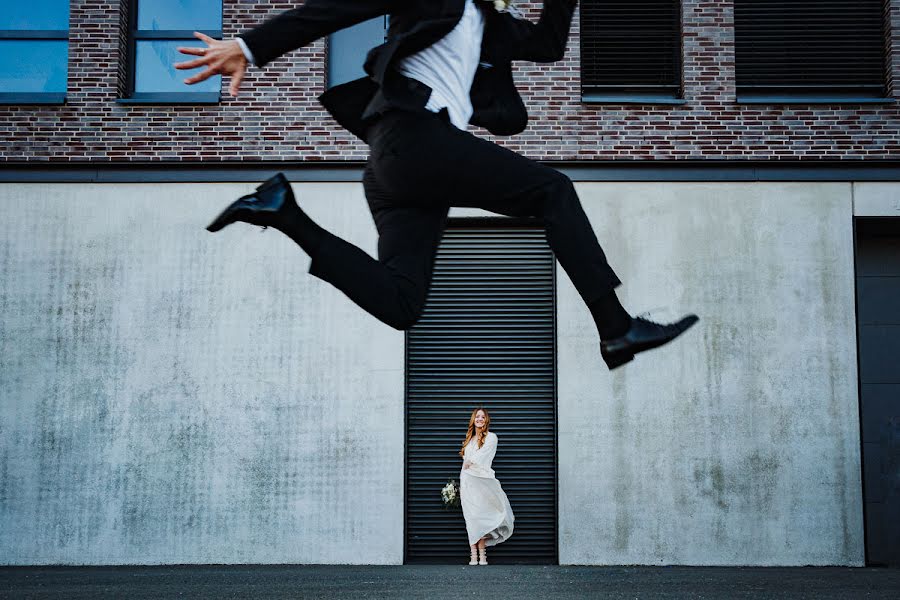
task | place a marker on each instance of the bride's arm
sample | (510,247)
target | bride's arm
(484,456)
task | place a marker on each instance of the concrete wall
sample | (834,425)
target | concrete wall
(739,444)
(172,396)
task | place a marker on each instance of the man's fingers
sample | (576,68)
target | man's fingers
(236,80)
(191,64)
(193,50)
(201,76)
(204,37)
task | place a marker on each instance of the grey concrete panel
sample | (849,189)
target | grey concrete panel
(172,396)
(876,199)
(739,443)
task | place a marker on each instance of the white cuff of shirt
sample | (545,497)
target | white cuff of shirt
(246,51)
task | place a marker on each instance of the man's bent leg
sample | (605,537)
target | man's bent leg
(394,287)
(422,160)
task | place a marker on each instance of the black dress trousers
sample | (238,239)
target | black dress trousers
(419,166)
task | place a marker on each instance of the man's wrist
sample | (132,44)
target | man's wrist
(246,50)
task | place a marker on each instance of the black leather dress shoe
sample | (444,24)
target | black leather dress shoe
(267,206)
(277,179)
(643,335)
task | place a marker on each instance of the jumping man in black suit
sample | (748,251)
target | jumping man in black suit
(444,64)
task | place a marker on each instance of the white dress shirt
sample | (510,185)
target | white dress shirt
(448,66)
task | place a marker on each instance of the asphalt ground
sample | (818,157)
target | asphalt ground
(220,582)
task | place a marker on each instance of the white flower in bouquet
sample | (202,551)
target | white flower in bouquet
(450,495)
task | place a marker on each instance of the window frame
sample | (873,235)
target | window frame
(36,34)
(329,54)
(827,93)
(129,96)
(631,93)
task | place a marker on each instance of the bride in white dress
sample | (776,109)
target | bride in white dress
(489,517)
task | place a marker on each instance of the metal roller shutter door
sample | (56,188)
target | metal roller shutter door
(878,322)
(487,337)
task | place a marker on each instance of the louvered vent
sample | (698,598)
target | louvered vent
(486,338)
(810,46)
(629,46)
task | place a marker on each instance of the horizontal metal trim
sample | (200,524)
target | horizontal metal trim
(439,528)
(832,88)
(541,450)
(34,34)
(74,171)
(504,397)
(607,98)
(438,453)
(811,99)
(508,306)
(173,34)
(172,98)
(480,360)
(526,346)
(25,98)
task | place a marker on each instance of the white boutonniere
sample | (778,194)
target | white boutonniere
(506,6)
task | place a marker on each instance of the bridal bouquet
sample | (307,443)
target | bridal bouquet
(450,495)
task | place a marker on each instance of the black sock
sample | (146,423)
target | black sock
(611,318)
(303,230)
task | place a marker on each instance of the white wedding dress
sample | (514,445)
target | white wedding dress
(485,507)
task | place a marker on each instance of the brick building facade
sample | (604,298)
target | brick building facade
(277,117)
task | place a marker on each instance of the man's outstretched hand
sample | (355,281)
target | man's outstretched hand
(219,58)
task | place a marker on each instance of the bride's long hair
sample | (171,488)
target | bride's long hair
(470,433)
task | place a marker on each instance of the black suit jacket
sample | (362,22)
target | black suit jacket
(415,25)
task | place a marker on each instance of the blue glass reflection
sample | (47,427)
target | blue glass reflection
(347,49)
(34,14)
(155,15)
(154,71)
(33,66)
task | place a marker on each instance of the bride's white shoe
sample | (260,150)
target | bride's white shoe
(473,558)
(482,553)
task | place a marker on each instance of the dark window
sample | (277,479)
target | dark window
(809,50)
(347,49)
(34,49)
(156,29)
(631,51)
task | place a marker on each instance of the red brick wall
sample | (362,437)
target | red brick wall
(278,117)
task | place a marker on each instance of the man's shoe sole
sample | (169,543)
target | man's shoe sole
(617,360)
